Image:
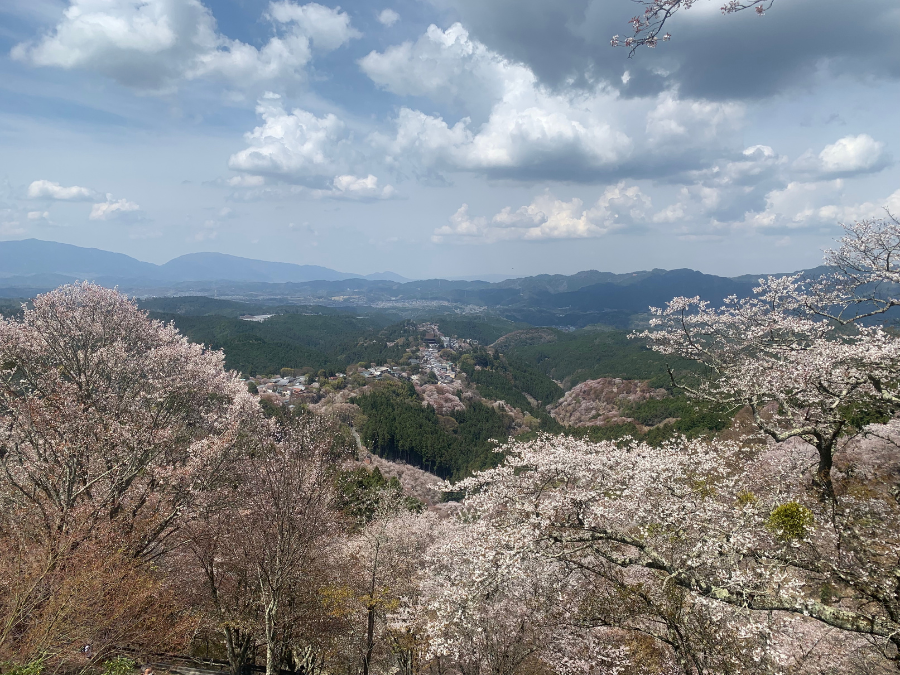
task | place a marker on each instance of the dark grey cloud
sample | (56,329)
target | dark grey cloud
(741,56)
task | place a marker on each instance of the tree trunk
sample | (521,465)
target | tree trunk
(822,479)
(238,645)
(370,637)
(273,659)
(370,615)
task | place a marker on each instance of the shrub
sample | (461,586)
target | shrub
(121,665)
(789,521)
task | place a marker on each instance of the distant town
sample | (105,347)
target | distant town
(428,361)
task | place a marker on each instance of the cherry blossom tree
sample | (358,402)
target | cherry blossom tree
(111,426)
(799,352)
(217,581)
(721,553)
(387,555)
(647,27)
(718,552)
(268,553)
(488,613)
(109,416)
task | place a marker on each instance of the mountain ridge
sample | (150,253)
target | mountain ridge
(589,297)
(24,258)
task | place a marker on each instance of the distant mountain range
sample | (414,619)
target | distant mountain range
(31,266)
(32,263)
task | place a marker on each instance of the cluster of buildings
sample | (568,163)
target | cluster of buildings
(380,372)
(305,389)
(291,389)
(431,361)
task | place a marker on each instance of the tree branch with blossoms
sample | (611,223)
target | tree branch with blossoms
(798,352)
(725,524)
(647,27)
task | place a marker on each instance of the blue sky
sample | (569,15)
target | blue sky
(448,137)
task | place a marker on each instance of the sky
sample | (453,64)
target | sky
(448,137)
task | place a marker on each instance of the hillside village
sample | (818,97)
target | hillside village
(429,361)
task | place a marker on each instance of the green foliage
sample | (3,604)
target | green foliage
(485,329)
(271,409)
(654,411)
(859,416)
(501,379)
(398,427)
(701,422)
(121,665)
(10,307)
(198,305)
(589,355)
(693,418)
(747,498)
(790,521)
(35,667)
(360,490)
(695,422)
(828,593)
(328,341)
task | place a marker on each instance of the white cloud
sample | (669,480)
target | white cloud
(852,154)
(762,191)
(246,181)
(695,202)
(547,217)
(798,205)
(685,123)
(525,124)
(845,157)
(757,162)
(728,189)
(38,215)
(208,232)
(517,127)
(353,187)
(294,146)
(534,141)
(815,204)
(388,17)
(327,28)
(44,189)
(153,45)
(112,209)
(449,67)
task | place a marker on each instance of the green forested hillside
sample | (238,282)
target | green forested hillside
(330,342)
(398,427)
(588,354)
(485,329)
(10,306)
(509,379)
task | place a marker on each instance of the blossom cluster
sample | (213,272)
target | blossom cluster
(647,27)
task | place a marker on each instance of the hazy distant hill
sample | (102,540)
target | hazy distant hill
(653,290)
(572,301)
(33,256)
(212,266)
(27,263)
